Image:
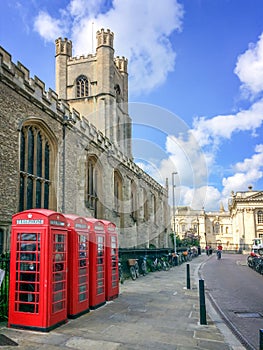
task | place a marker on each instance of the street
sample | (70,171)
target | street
(236,290)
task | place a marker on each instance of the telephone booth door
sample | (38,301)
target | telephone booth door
(112,259)
(38,270)
(97,263)
(78,267)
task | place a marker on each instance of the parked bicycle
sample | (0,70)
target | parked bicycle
(173,259)
(143,265)
(155,264)
(121,275)
(164,263)
(134,268)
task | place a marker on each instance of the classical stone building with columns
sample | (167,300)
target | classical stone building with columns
(234,229)
(246,212)
(71,150)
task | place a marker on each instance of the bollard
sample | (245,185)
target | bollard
(188,282)
(261,339)
(202,302)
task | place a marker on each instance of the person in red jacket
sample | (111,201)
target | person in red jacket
(219,251)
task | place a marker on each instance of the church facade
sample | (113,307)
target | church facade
(71,150)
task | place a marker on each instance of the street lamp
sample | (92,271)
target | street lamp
(173,185)
(198,234)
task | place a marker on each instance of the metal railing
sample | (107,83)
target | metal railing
(4,287)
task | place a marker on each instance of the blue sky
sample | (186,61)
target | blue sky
(195,81)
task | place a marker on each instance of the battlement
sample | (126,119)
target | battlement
(121,63)
(18,77)
(82,58)
(63,47)
(104,38)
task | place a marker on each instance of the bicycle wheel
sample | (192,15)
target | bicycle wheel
(121,278)
(136,266)
(166,266)
(133,273)
(144,267)
(159,266)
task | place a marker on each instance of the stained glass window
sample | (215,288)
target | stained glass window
(34,168)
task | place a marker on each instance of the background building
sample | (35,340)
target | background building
(246,211)
(70,150)
(233,229)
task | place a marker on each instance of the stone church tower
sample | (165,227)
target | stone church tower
(96,86)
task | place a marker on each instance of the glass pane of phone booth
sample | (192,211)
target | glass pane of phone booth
(59,271)
(114,262)
(27,272)
(83,280)
(100,265)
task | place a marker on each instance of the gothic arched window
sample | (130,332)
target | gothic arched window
(145,205)
(93,186)
(82,86)
(36,155)
(154,208)
(134,203)
(117,192)
(260,217)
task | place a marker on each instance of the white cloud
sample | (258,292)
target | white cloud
(249,68)
(81,8)
(185,153)
(211,131)
(201,197)
(255,162)
(48,27)
(245,173)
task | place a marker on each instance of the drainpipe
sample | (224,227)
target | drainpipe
(63,164)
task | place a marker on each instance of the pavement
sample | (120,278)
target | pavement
(155,312)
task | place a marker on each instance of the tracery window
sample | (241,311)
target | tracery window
(93,186)
(154,207)
(145,205)
(82,86)
(117,193)
(134,203)
(260,217)
(35,163)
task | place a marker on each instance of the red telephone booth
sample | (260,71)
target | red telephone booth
(78,266)
(112,259)
(97,263)
(38,270)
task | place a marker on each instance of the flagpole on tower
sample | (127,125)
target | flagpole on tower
(92,48)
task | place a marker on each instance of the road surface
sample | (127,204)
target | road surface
(237,291)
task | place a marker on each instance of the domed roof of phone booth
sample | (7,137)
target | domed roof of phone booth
(44,212)
(108,224)
(72,218)
(30,215)
(93,222)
